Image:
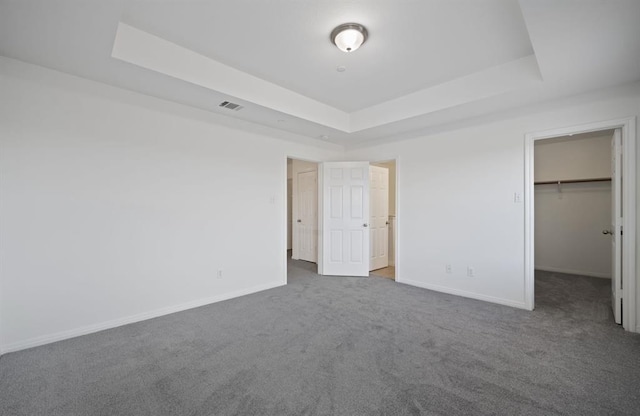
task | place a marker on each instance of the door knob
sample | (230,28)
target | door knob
(299,220)
(365,225)
(386,222)
(607,232)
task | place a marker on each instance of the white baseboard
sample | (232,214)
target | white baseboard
(89,329)
(465,294)
(569,271)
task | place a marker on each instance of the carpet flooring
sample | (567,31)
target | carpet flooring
(344,346)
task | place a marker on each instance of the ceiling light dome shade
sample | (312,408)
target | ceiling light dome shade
(349,36)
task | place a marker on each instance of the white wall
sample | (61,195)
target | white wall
(456,196)
(110,203)
(573,157)
(117,206)
(569,222)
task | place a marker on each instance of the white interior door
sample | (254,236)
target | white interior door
(616,226)
(379,217)
(345,218)
(307,221)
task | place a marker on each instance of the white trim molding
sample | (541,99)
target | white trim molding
(396,244)
(465,294)
(628,128)
(89,329)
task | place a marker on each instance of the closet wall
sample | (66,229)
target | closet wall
(569,219)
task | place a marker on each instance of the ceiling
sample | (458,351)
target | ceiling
(426,63)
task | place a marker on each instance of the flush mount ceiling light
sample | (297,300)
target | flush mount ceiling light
(349,36)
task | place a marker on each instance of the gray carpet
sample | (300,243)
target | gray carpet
(344,346)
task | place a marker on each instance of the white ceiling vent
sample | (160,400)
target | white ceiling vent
(231,106)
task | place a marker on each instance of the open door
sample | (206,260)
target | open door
(616,231)
(345,219)
(379,217)
(307,221)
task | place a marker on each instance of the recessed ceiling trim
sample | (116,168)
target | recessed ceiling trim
(520,73)
(151,52)
(418,47)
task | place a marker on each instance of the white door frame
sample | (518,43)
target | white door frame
(628,128)
(284,213)
(396,245)
(396,254)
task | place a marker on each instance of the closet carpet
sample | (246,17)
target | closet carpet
(344,346)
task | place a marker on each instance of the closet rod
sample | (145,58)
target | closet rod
(572,181)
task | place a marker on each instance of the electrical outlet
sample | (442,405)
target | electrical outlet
(219,274)
(447,269)
(470,271)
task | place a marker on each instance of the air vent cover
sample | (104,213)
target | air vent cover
(231,106)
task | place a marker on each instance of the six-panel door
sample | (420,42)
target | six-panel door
(345,218)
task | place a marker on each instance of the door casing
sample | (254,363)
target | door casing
(397,259)
(628,129)
(617,239)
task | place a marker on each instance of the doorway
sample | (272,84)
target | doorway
(383,219)
(304,192)
(623,266)
(573,205)
(347,223)
(302,215)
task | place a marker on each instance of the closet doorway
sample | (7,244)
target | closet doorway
(578,195)
(574,204)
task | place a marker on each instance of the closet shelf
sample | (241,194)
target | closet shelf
(559,182)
